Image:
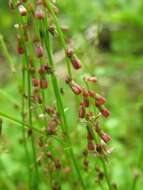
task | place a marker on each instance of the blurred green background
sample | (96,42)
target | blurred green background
(108,38)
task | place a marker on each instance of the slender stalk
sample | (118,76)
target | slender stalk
(61,36)
(23,128)
(60,105)
(36,180)
(6,53)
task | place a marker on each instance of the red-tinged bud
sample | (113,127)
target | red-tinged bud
(39,51)
(86,102)
(91,146)
(76,89)
(69,52)
(43,83)
(35,82)
(100,100)
(81,112)
(43,69)
(105,137)
(49,154)
(52,30)
(76,63)
(85,93)
(91,93)
(92,79)
(105,112)
(39,13)
(22,10)
(20,49)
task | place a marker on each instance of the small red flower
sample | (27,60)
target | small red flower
(81,112)
(76,63)
(69,52)
(39,51)
(105,137)
(35,82)
(39,13)
(76,88)
(43,83)
(100,100)
(22,10)
(105,112)
(91,146)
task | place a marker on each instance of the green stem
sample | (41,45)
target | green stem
(60,105)
(61,36)
(24,131)
(36,180)
(6,53)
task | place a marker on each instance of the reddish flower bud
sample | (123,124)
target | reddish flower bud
(52,30)
(69,52)
(39,52)
(22,10)
(35,82)
(91,93)
(43,83)
(85,93)
(105,112)
(90,79)
(76,88)
(81,112)
(39,13)
(49,154)
(86,102)
(100,100)
(105,137)
(76,63)
(20,49)
(91,146)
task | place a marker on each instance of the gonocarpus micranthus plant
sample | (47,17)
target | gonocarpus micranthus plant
(50,154)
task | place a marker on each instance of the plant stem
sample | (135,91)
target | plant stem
(24,131)
(61,36)
(60,104)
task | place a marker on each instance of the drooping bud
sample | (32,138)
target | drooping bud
(100,100)
(81,112)
(76,63)
(69,52)
(52,30)
(105,137)
(20,49)
(76,88)
(22,10)
(85,102)
(92,79)
(39,13)
(43,83)
(105,112)
(39,51)
(35,82)
(91,146)
(91,93)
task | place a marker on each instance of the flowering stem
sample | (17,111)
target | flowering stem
(61,36)
(60,104)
